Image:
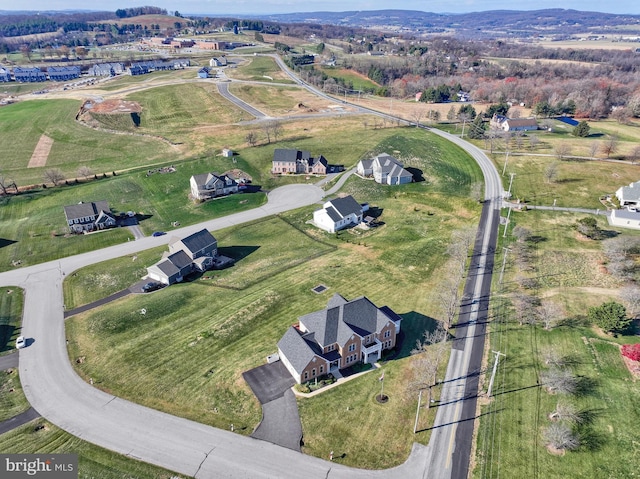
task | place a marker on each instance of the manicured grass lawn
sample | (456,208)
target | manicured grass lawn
(94,461)
(12,399)
(510,436)
(195,339)
(11,302)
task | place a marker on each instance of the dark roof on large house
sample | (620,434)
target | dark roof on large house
(519,122)
(342,318)
(298,348)
(196,241)
(290,156)
(174,263)
(82,210)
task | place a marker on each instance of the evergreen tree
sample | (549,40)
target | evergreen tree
(582,129)
(476,130)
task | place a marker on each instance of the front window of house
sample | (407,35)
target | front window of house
(352,347)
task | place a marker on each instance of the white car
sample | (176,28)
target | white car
(20,342)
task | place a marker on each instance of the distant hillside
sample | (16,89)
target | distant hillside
(164,21)
(516,23)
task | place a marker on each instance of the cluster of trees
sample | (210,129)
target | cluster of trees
(137,11)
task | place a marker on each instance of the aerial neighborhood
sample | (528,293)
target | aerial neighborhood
(320,244)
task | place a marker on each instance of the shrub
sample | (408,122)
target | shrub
(611,316)
(631,351)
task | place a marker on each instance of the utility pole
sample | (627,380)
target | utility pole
(506,159)
(493,374)
(415,425)
(506,225)
(504,262)
(510,183)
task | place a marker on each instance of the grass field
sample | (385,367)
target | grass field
(510,435)
(211,330)
(22,124)
(259,68)
(359,82)
(11,302)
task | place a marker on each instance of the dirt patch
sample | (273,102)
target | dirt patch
(113,106)
(41,152)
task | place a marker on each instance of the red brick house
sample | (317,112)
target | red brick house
(341,335)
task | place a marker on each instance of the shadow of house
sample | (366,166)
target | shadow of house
(414,326)
(418,175)
(6,242)
(6,333)
(237,252)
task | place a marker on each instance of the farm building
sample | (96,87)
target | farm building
(29,75)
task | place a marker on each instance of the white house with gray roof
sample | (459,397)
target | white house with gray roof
(629,196)
(385,169)
(625,218)
(196,252)
(339,213)
(210,185)
(93,216)
(341,335)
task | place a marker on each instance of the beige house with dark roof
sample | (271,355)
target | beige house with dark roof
(92,216)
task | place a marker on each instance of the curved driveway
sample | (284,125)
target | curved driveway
(191,448)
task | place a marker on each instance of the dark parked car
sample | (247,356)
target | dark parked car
(158,233)
(152,286)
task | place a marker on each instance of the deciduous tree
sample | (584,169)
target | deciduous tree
(54,175)
(560,436)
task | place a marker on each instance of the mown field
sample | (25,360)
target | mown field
(196,338)
(568,271)
(359,82)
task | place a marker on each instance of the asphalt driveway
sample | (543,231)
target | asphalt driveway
(271,383)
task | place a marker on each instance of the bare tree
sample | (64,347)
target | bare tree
(54,175)
(552,358)
(594,147)
(266,128)
(525,307)
(610,145)
(534,141)
(430,352)
(549,313)
(85,172)
(630,296)
(565,411)
(449,297)
(560,381)
(276,129)
(560,436)
(251,138)
(621,115)
(521,233)
(464,118)
(6,185)
(551,173)
(416,116)
(634,156)
(476,191)
(561,150)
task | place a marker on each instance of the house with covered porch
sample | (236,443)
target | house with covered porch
(341,335)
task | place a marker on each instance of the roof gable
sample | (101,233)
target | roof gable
(197,241)
(346,206)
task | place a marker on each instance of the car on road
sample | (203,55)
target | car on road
(20,342)
(151,286)
(158,233)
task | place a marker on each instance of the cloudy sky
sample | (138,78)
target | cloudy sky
(288,6)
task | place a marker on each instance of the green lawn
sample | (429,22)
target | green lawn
(357,81)
(12,399)
(11,302)
(568,271)
(259,68)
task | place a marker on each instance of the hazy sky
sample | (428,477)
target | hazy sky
(288,6)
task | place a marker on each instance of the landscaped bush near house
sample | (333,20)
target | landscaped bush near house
(631,351)
(303,388)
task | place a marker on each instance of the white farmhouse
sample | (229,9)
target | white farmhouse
(339,213)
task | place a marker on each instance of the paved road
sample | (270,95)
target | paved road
(9,361)
(18,420)
(223,88)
